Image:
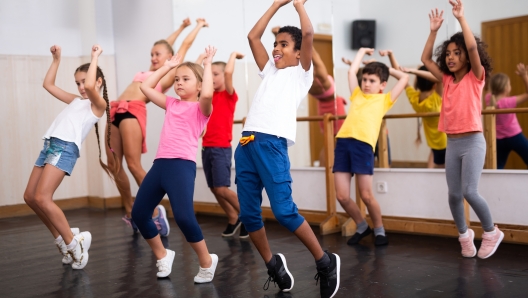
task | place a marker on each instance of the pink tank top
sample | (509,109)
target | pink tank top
(326,93)
(143,75)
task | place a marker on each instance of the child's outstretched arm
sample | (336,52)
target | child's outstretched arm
(469,39)
(435,19)
(228,71)
(522,71)
(200,59)
(147,87)
(420,73)
(307,34)
(206,94)
(354,67)
(174,35)
(403,79)
(254,36)
(392,58)
(91,82)
(320,71)
(49,79)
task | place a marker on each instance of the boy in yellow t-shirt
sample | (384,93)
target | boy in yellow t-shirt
(354,152)
(425,98)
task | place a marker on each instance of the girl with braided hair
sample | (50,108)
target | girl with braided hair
(62,143)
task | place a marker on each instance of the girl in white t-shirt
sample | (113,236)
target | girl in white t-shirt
(62,143)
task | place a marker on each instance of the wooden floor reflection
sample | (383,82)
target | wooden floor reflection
(122,265)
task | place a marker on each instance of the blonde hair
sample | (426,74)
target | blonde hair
(498,83)
(197,69)
(166,44)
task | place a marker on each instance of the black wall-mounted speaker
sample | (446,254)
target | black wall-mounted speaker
(363,34)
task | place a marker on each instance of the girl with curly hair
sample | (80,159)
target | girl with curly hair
(462,65)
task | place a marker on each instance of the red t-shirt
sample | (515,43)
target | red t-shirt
(220,126)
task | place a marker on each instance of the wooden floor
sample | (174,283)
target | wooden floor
(122,265)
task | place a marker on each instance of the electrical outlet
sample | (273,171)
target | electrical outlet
(381,187)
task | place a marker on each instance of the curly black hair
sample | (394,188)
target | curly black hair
(295,33)
(423,84)
(458,39)
(377,68)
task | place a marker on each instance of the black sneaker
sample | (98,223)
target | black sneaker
(381,240)
(357,237)
(280,275)
(328,278)
(243,233)
(231,229)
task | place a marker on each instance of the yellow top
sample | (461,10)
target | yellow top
(364,117)
(435,139)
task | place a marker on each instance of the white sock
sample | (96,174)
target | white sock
(490,233)
(72,245)
(464,235)
(58,240)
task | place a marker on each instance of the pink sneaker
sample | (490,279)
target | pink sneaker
(490,243)
(468,247)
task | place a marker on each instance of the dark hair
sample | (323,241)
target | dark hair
(377,68)
(423,84)
(99,74)
(166,44)
(458,39)
(295,33)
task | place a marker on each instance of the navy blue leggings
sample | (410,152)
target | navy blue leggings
(517,143)
(174,177)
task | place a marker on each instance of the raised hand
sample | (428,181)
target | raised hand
(298,2)
(96,50)
(282,2)
(275,30)
(186,23)
(55,52)
(384,53)
(346,61)
(367,51)
(458,8)
(173,61)
(202,22)
(239,55)
(210,51)
(436,19)
(522,70)
(406,69)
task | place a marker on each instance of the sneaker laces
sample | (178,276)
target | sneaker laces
(162,265)
(205,273)
(321,275)
(271,278)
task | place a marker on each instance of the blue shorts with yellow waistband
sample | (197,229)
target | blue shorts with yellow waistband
(263,163)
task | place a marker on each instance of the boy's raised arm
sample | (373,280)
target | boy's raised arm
(354,67)
(255,35)
(307,34)
(228,71)
(403,79)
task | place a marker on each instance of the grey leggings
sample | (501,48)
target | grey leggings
(463,167)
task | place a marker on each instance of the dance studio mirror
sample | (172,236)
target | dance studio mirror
(405,33)
(230,34)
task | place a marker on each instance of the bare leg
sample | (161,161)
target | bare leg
(49,181)
(365,191)
(305,233)
(342,184)
(29,197)
(260,241)
(132,139)
(228,200)
(122,182)
(430,161)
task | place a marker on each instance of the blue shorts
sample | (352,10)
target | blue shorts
(217,166)
(353,156)
(264,163)
(58,153)
(439,156)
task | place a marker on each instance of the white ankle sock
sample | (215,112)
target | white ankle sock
(58,240)
(464,235)
(490,233)
(72,245)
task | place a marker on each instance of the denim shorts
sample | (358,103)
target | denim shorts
(58,153)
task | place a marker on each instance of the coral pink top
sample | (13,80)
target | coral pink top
(183,125)
(461,104)
(143,75)
(507,125)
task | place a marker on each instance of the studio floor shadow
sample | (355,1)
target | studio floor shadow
(122,265)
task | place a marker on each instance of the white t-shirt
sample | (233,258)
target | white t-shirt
(274,107)
(74,122)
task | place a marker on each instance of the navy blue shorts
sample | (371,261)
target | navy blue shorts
(439,156)
(217,166)
(353,156)
(61,154)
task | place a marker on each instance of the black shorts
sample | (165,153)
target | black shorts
(353,156)
(118,117)
(439,156)
(217,166)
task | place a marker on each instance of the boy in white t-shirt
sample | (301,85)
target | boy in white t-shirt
(261,157)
